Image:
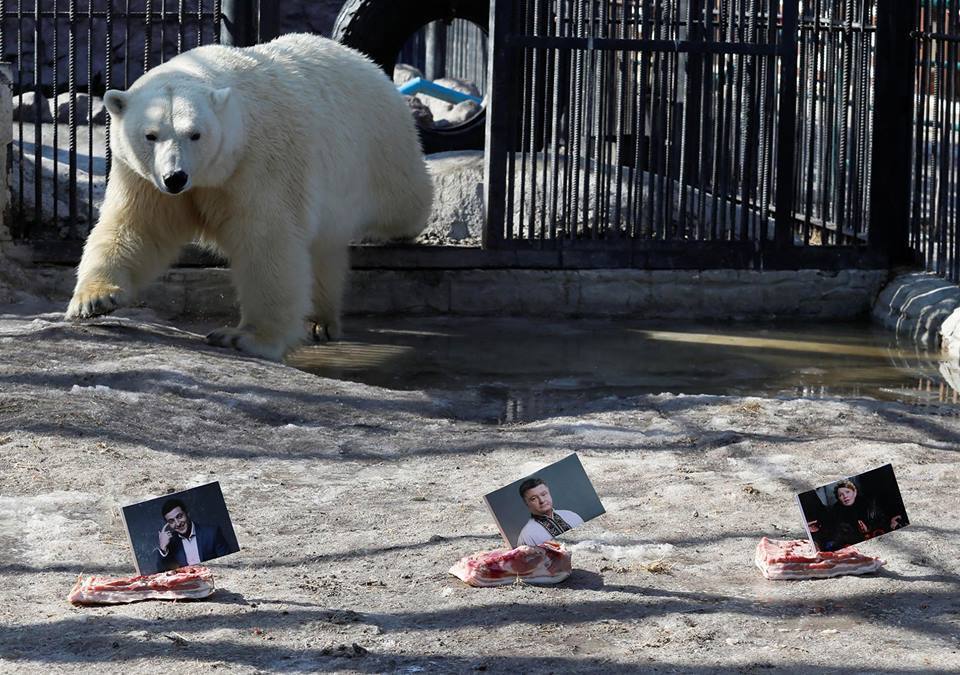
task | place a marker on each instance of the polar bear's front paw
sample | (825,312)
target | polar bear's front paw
(244,340)
(95,299)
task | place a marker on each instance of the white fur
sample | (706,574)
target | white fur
(303,145)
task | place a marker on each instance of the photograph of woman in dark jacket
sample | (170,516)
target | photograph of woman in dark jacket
(854,517)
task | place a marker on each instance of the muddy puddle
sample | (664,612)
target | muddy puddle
(525,369)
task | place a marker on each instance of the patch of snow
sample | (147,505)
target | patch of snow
(40,527)
(638,552)
(127,396)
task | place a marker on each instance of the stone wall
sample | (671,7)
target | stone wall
(645,294)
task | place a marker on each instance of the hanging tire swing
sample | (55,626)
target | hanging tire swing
(381,28)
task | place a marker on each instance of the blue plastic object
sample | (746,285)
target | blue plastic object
(418,85)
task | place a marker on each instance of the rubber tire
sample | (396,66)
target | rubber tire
(380,28)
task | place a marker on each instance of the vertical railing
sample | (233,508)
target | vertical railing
(933,238)
(65,50)
(893,108)
(787,126)
(500,102)
(835,77)
(238,25)
(654,121)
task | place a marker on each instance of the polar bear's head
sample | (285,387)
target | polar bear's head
(175,136)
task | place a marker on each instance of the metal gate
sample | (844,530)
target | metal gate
(684,133)
(934,196)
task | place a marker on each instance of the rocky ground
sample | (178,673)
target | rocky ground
(351,502)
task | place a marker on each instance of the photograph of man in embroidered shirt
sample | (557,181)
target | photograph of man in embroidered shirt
(545,523)
(545,505)
(180,529)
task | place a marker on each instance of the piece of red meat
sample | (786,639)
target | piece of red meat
(797,559)
(548,563)
(186,583)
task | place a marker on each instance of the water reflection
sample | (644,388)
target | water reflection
(525,369)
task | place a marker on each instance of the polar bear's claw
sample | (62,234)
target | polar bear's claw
(88,304)
(225,337)
(244,341)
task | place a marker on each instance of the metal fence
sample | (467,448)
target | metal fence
(64,55)
(647,133)
(936,138)
(700,133)
(834,135)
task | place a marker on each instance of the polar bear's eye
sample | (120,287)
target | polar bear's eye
(195,136)
(151,137)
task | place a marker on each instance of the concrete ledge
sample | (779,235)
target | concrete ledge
(918,305)
(654,294)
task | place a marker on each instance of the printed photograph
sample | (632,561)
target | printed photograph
(546,504)
(852,510)
(179,529)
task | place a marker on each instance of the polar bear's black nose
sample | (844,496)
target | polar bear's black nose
(175,181)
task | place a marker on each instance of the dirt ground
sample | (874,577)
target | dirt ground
(351,502)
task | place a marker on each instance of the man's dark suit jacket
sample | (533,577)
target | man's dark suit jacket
(210,544)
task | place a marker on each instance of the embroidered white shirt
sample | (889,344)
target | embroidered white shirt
(534,534)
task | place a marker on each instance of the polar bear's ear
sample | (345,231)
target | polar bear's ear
(116,102)
(219,97)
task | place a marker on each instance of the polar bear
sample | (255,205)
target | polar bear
(276,155)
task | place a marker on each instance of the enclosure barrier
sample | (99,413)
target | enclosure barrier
(70,51)
(697,133)
(933,236)
(643,133)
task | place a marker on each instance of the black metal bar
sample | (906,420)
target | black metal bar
(72,85)
(126,45)
(620,84)
(941,161)
(268,20)
(498,122)
(552,126)
(788,120)
(180,26)
(238,27)
(107,84)
(147,35)
(864,123)
(893,105)
(89,114)
(598,128)
(949,166)
(55,174)
(692,107)
(436,36)
(38,60)
(825,165)
(846,70)
(217,21)
(21,229)
(815,87)
(163,31)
